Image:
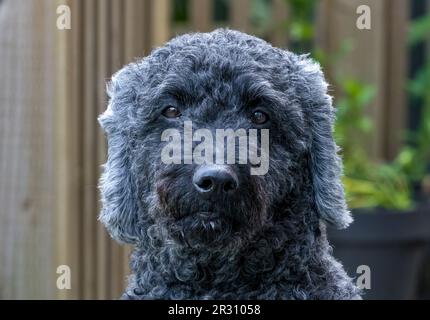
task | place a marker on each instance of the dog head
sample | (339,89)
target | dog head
(163,122)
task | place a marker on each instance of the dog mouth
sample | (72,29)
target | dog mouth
(207,225)
(208,220)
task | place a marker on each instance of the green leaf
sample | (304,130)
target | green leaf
(419,30)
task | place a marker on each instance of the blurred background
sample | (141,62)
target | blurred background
(52,87)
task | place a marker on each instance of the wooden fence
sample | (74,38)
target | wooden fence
(52,87)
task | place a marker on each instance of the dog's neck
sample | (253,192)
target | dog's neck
(272,255)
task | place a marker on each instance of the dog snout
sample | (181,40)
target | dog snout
(213,181)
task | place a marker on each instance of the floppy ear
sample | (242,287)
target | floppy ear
(324,161)
(117,186)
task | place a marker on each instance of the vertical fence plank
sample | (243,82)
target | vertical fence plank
(117,61)
(69,152)
(134,29)
(160,22)
(103,56)
(201,15)
(396,76)
(239,18)
(280,15)
(89,189)
(27,215)
(61,148)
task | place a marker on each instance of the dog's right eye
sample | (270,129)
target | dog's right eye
(171,112)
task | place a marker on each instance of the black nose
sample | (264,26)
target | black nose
(215,180)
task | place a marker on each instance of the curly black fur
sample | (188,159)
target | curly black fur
(269,240)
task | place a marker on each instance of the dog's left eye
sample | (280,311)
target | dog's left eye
(171,112)
(259,117)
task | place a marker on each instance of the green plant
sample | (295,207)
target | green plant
(301,30)
(414,158)
(368,183)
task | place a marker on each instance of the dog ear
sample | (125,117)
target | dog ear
(324,162)
(117,186)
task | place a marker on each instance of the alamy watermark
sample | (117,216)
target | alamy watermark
(364,20)
(64,19)
(364,279)
(64,279)
(210,149)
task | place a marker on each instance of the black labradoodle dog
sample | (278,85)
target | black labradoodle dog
(217,231)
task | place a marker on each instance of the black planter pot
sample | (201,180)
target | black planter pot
(393,244)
